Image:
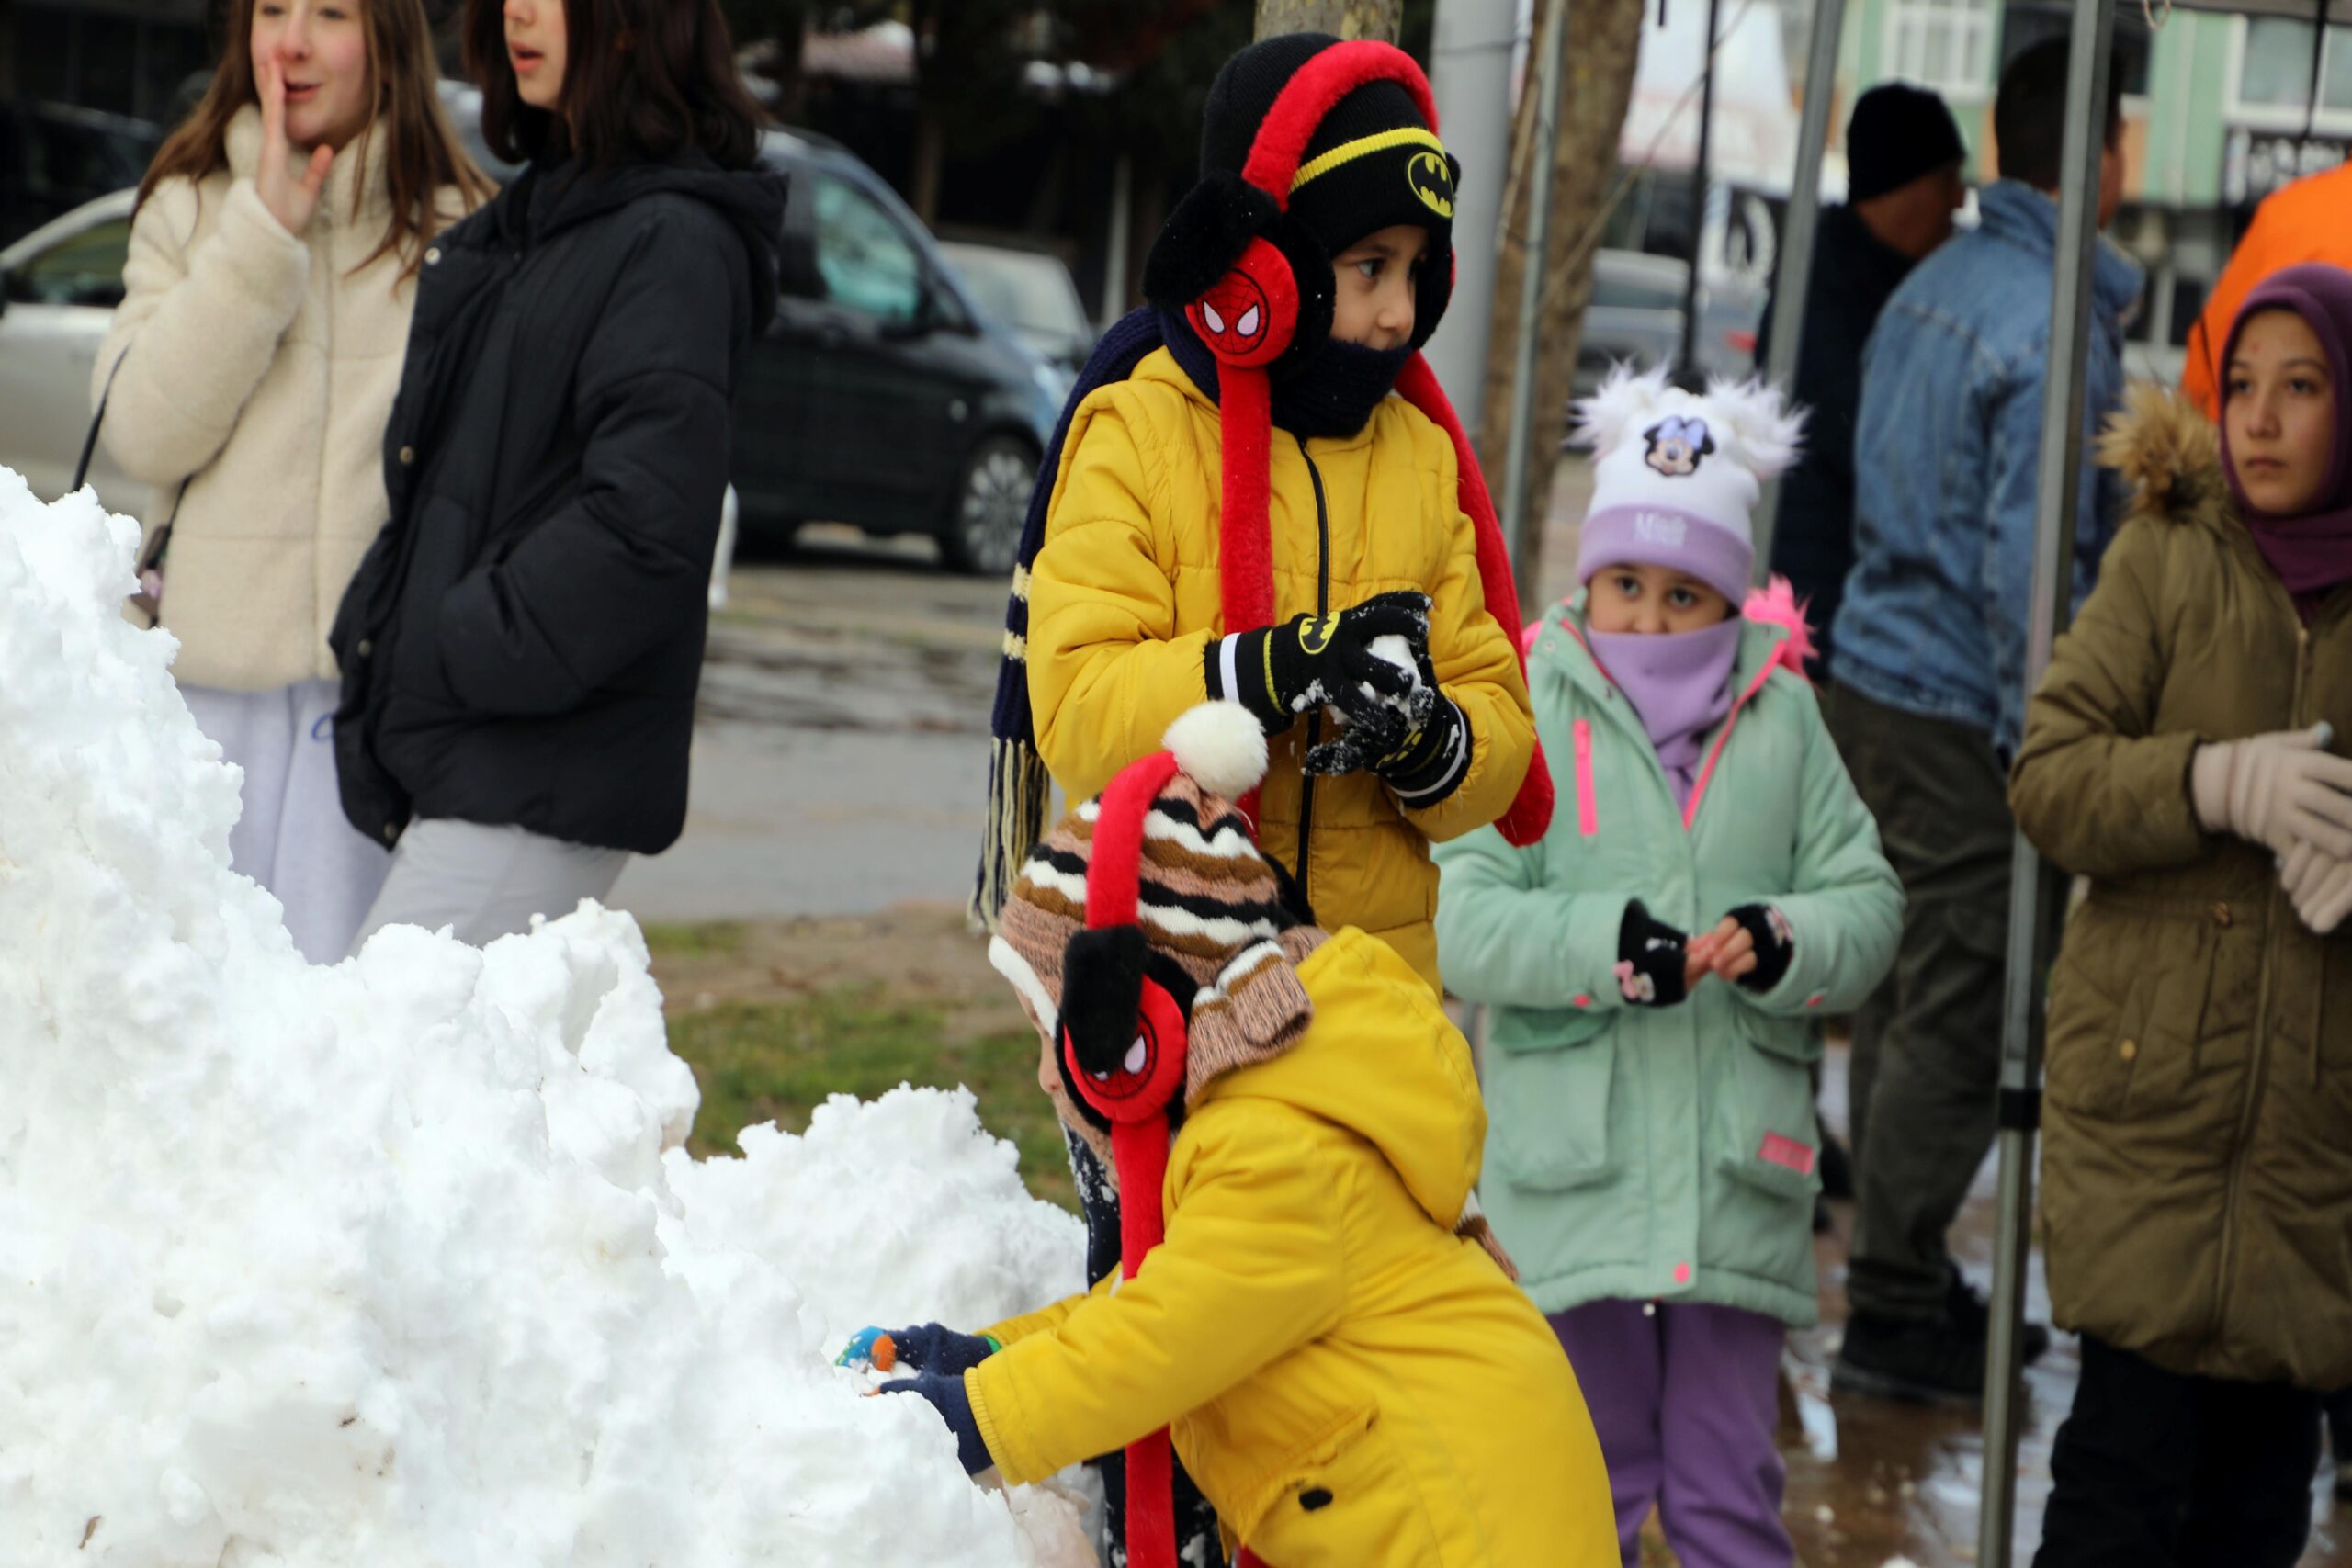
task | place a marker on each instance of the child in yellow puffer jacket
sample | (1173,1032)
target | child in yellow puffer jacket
(1238,509)
(1346,1369)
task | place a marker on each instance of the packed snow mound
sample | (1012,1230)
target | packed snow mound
(400,1262)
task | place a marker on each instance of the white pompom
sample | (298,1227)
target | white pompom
(1221,745)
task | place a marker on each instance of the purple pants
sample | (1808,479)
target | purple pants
(1686,1400)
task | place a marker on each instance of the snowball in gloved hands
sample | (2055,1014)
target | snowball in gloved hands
(1279,673)
(1416,701)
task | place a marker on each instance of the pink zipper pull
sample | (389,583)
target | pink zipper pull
(1588,814)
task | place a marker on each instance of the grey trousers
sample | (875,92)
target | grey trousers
(1925,1074)
(485,882)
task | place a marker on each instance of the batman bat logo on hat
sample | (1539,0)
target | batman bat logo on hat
(1432,182)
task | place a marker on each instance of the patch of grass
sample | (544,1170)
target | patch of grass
(707,939)
(778,1061)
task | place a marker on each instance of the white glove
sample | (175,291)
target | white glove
(2280,790)
(2319,885)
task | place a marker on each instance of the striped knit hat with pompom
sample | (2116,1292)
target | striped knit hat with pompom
(1218,927)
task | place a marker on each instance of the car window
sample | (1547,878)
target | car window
(864,258)
(81,269)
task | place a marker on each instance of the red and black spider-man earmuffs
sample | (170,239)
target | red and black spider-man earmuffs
(1252,278)
(1242,258)
(1124,1007)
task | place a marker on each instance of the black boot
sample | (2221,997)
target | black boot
(1837,1166)
(1936,1360)
(1969,1312)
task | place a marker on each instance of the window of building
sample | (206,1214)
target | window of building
(1944,44)
(2271,84)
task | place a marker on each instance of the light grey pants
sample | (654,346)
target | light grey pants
(291,837)
(485,882)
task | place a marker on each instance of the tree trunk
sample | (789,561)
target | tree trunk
(1596,84)
(1342,19)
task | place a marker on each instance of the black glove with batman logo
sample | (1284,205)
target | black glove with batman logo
(1279,673)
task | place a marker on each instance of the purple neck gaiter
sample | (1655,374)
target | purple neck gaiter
(1680,684)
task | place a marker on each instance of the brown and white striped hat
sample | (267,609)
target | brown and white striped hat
(1215,930)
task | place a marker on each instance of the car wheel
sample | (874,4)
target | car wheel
(990,507)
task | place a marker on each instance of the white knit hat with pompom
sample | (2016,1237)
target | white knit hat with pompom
(1676,476)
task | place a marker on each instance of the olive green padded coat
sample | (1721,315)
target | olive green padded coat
(2197,1167)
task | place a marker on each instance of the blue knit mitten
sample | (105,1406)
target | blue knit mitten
(947,1396)
(926,1348)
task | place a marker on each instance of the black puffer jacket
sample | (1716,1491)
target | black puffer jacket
(522,643)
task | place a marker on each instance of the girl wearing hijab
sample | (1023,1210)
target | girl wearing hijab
(2186,754)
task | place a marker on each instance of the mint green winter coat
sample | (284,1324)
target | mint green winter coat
(1664,1153)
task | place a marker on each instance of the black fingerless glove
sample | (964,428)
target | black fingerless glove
(1278,672)
(1650,958)
(1776,945)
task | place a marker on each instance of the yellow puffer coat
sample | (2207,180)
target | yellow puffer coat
(1124,599)
(1349,1380)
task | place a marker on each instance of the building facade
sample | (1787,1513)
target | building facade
(2217,114)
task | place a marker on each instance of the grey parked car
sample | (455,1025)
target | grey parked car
(1030,292)
(59,285)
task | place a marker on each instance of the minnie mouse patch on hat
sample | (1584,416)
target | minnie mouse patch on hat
(1675,477)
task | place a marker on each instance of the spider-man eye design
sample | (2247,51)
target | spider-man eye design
(1248,317)
(1232,316)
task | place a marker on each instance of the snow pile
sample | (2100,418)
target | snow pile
(387,1264)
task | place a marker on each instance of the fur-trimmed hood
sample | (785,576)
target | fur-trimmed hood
(2169,456)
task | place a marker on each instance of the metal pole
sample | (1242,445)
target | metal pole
(1470,73)
(1802,222)
(1531,290)
(2035,892)
(1688,369)
(1115,262)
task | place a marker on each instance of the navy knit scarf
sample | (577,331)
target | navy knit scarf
(1019,787)
(1330,397)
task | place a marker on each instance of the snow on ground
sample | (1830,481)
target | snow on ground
(397,1262)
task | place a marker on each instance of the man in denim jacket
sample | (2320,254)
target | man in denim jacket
(1930,668)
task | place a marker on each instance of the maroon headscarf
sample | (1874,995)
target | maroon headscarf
(2311,551)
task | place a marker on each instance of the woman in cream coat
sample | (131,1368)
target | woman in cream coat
(248,376)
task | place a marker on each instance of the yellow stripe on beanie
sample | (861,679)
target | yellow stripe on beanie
(1363,146)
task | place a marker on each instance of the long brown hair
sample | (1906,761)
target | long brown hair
(641,79)
(424,154)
